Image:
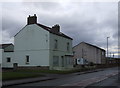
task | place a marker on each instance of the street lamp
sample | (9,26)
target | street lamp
(107,46)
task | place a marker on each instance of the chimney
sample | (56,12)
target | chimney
(56,28)
(32,19)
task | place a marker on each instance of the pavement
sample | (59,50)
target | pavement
(47,77)
(24,81)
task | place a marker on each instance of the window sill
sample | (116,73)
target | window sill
(27,63)
(55,49)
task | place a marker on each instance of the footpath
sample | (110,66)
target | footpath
(47,77)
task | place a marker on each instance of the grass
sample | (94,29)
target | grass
(28,73)
(18,75)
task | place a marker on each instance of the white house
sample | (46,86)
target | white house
(39,45)
(90,53)
(1,50)
(7,55)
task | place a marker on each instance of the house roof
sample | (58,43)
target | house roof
(49,29)
(3,46)
(90,45)
(54,30)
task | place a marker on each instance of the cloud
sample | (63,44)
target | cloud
(6,37)
(91,22)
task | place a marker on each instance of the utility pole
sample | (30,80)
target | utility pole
(113,55)
(110,54)
(107,46)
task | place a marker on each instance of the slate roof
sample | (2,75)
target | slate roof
(3,46)
(49,29)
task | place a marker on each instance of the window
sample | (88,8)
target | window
(68,46)
(102,53)
(73,52)
(46,38)
(8,59)
(56,44)
(27,59)
(62,59)
(55,61)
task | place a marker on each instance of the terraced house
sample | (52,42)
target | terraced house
(90,53)
(7,54)
(39,45)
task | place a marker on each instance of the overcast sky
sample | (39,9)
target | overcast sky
(91,22)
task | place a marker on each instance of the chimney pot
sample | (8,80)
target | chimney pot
(35,15)
(32,19)
(56,28)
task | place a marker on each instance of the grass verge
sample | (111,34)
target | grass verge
(28,73)
(18,75)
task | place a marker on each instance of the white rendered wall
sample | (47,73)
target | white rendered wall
(61,51)
(1,50)
(6,64)
(32,37)
(34,42)
(36,58)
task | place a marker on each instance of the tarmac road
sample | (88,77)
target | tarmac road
(100,78)
(113,81)
(78,80)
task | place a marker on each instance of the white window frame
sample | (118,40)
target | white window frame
(55,61)
(8,61)
(27,59)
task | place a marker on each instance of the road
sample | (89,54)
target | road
(83,80)
(113,81)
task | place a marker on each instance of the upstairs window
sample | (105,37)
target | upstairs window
(27,59)
(102,53)
(56,44)
(74,52)
(68,46)
(8,59)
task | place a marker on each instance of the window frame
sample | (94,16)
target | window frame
(55,44)
(68,46)
(55,61)
(27,59)
(8,59)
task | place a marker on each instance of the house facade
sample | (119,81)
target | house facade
(90,53)
(7,55)
(39,45)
